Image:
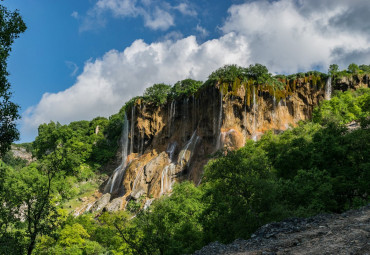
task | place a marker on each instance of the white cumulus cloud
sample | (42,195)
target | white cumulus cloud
(290,36)
(107,83)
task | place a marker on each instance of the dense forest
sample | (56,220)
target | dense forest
(319,166)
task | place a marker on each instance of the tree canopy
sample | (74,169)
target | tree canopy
(11,25)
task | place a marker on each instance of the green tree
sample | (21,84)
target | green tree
(11,237)
(353,68)
(185,87)
(333,69)
(172,225)
(238,192)
(129,234)
(11,25)
(227,74)
(259,73)
(157,93)
(365,68)
(344,107)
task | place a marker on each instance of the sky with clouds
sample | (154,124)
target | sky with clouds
(83,59)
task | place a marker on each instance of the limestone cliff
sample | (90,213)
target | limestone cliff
(172,142)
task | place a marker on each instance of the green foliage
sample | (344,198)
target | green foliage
(185,87)
(157,93)
(72,239)
(238,192)
(172,226)
(353,68)
(11,26)
(60,144)
(308,193)
(31,207)
(345,107)
(259,73)
(333,69)
(126,234)
(134,206)
(92,142)
(365,68)
(227,73)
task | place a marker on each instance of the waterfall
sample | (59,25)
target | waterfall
(193,141)
(218,143)
(220,140)
(166,178)
(328,89)
(194,112)
(185,115)
(220,112)
(171,149)
(273,107)
(223,136)
(132,129)
(171,117)
(142,131)
(115,180)
(214,111)
(254,136)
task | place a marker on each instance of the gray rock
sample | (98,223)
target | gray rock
(101,203)
(114,205)
(137,193)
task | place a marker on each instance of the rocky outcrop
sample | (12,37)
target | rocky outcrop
(347,233)
(101,203)
(22,153)
(172,142)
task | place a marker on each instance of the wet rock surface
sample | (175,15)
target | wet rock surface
(346,233)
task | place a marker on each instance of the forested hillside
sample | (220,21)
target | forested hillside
(263,171)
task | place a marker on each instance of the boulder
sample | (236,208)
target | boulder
(101,203)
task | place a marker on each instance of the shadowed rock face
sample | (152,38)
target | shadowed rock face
(172,142)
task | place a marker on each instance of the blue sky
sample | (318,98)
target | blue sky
(82,59)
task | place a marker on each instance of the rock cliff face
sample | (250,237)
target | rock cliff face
(172,142)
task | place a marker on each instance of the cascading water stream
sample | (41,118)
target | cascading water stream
(114,181)
(254,136)
(218,144)
(132,129)
(214,111)
(273,107)
(171,117)
(328,89)
(171,150)
(182,157)
(185,115)
(193,114)
(166,178)
(142,131)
